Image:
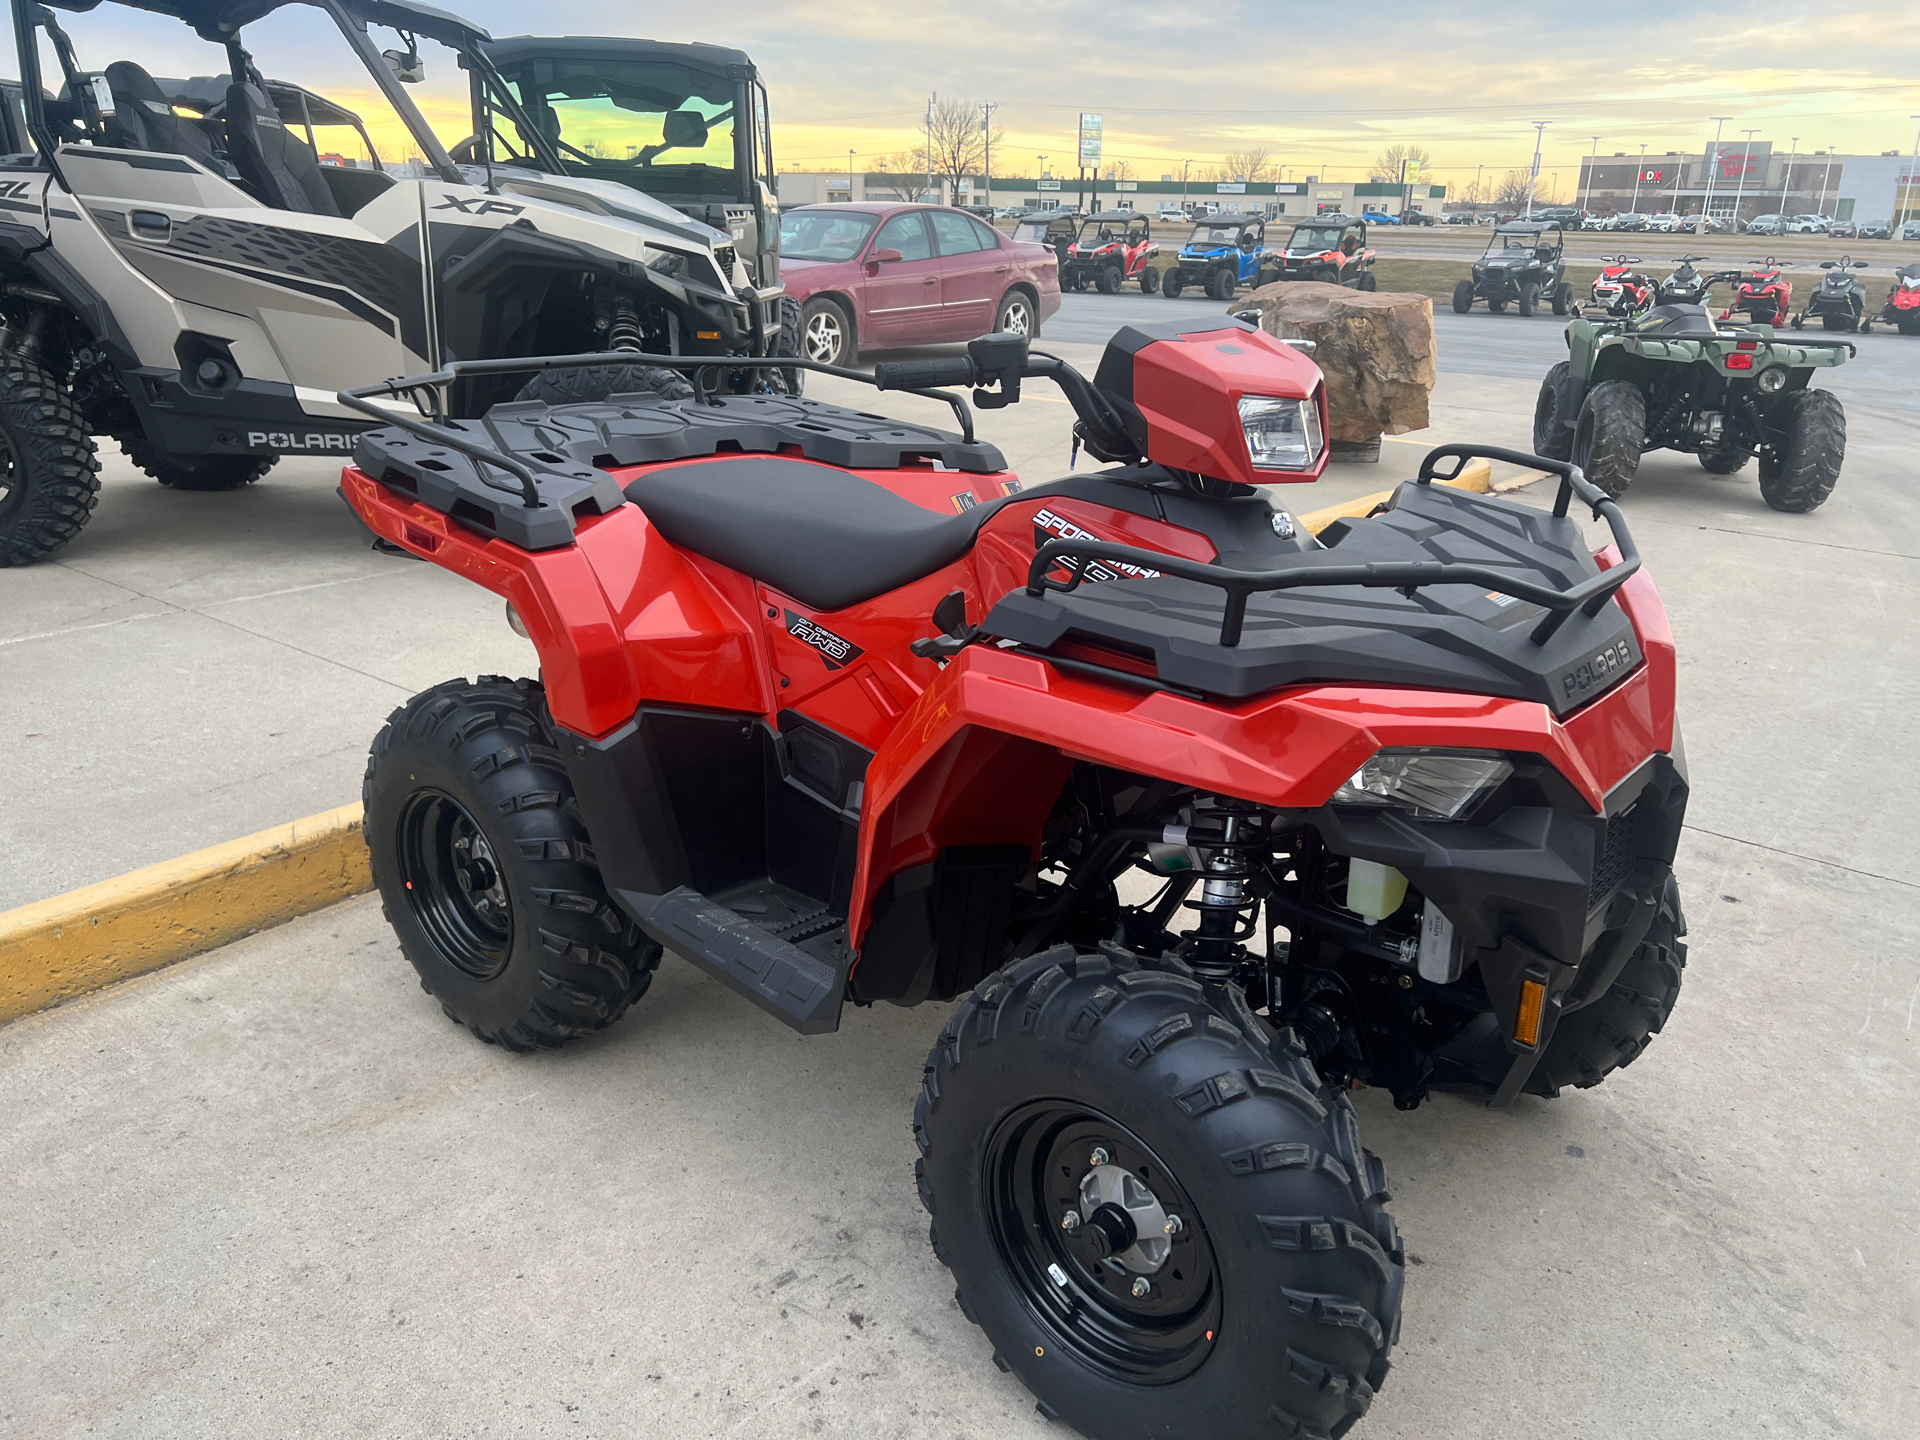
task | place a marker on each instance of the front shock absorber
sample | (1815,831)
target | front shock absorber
(623,325)
(1215,948)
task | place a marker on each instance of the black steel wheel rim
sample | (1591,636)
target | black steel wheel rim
(454,884)
(1036,1160)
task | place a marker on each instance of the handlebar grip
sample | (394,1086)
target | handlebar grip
(922,374)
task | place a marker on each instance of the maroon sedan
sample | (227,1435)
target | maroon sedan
(885,275)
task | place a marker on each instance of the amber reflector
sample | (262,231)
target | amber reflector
(1526,1025)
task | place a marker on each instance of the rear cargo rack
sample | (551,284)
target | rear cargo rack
(1588,596)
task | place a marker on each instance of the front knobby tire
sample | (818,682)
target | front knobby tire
(197,472)
(1552,436)
(1463,297)
(1592,1042)
(592,384)
(1799,469)
(1608,435)
(487,874)
(1276,1299)
(49,472)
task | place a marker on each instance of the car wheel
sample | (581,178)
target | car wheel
(826,333)
(1017,316)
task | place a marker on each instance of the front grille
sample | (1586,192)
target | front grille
(1616,856)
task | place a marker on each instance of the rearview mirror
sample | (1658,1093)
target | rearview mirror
(683,127)
(883,256)
(408,69)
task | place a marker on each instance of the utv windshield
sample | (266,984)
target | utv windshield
(1215,235)
(824,234)
(614,119)
(1316,238)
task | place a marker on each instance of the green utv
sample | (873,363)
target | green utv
(1672,379)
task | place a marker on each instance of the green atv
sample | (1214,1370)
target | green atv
(1672,379)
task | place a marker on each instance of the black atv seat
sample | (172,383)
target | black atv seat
(142,119)
(824,536)
(1677,320)
(277,165)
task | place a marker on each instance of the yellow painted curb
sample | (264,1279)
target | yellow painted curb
(1475,475)
(53,950)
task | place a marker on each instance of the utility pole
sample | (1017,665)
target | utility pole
(1913,180)
(1539,131)
(931,99)
(1746,163)
(1477,201)
(1635,207)
(986,130)
(1826,176)
(1786,183)
(1185,166)
(1713,163)
(850,194)
(1592,156)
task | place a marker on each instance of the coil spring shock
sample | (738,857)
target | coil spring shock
(1214,947)
(623,326)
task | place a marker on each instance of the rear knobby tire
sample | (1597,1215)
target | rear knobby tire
(1608,435)
(1149,281)
(1592,1042)
(1799,469)
(787,343)
(1552,436)
(197,472)
(487,874)
(1275,1309)
(49,473)
(594,383)
(1463,297)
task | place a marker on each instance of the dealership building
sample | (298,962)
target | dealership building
(1754,180)
(1288,199)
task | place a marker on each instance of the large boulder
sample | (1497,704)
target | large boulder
(1375,347)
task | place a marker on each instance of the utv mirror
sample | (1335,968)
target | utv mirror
(683,128)
(408,68)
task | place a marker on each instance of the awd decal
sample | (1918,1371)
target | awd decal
(1616,659)
(836,651)
(282,440)
(1049,526)
(477,205)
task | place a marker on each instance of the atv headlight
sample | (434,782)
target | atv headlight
(1433,784)
(1281,434)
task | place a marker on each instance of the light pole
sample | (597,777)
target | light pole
(1477,201)
(1185,166)
(986,130)
(1636,179)
(1786,181)
(1825,176)
(1906,191)
(1713,162)
(1539,132)
(850,194)
(1592,156)
(1746,160)
(931,99)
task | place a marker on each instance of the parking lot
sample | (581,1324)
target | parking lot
(272,1191)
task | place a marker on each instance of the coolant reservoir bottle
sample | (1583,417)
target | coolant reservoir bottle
(1374,891)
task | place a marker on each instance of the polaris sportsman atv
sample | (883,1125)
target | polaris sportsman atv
(1762,295)
(840,714)
(1332,249)
(1839,302)
(1671,379)
(1902,309)
(198,286)
(1223,254)
(1113,247)
(1523,265)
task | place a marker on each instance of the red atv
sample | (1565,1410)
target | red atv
(1203,822)
(1619,289)
(1902,309)
(1113,248)
(1763,296)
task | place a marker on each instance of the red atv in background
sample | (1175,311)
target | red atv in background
(1619,289)
(1902,309)
(1763,295)
(1113,248)
(1203,822)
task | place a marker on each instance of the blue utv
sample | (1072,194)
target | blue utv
(1224,253)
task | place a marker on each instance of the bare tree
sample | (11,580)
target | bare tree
(1241,165)
(1387,165)
(1510,191)
(959,145)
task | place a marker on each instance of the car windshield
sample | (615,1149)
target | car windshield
(616,117)
(1316,238)
(824,234)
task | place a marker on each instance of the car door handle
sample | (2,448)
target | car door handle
(931,280)
(150,225)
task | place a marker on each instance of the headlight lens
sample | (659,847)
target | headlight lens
(1433,784)
(1281,434)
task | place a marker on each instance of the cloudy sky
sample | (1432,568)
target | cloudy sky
(1323,88)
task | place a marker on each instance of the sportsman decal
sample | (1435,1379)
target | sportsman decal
(1049,526)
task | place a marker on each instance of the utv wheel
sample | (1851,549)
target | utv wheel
(197,472)
(1368,281)
(486,873)
(1801,465)
(1229,1269)
(1172,283)
(1463,297)
(1079,281)
(594,383)
(1529,300)
(826,333)
(1149,281)
(1220,285)
(1722,462)
(1562,298)
(1592,1042)
(49,475)
(1109,281)
(1552,436)
(1608,435)
(1017,316)
(787,342)
(1497,307)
